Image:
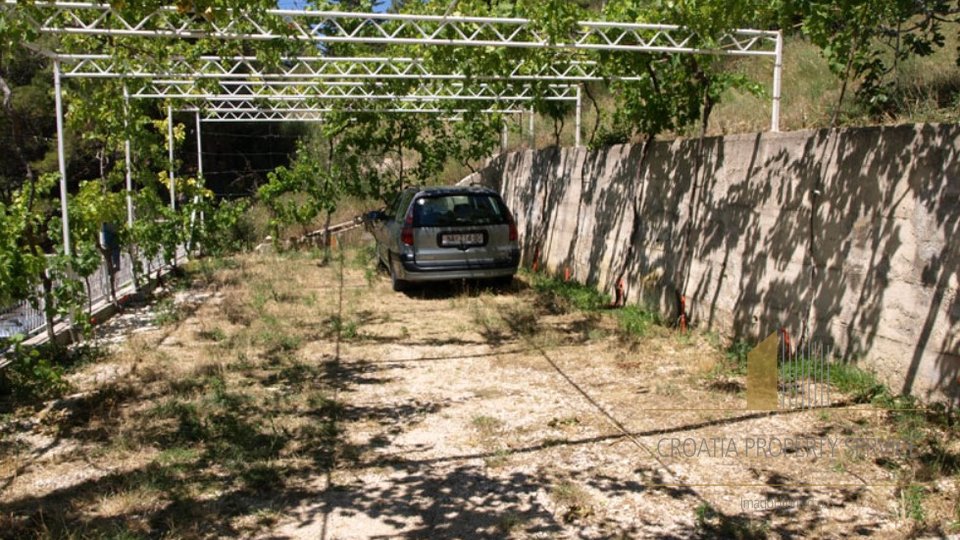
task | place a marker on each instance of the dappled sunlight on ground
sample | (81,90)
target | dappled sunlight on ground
(270,401)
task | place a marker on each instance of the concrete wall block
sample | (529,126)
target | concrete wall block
(887,216)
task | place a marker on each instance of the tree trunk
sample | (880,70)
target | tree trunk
(132,253)
(596,121)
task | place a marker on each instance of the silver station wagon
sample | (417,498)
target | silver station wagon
(446,233)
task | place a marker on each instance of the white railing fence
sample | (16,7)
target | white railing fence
(23,318)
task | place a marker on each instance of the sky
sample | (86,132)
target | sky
(298,4)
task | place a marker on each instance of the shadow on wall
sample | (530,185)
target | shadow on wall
(854,226)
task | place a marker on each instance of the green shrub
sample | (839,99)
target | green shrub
(229,229)
(860,385)
(636,320)
(563,296)
(33,373)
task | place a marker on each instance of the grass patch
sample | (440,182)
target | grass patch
(558,296)
(278,340)
(500,458)
(510,522)
(575,502)
(346,329)
(364,257)
(636,321)
(178,455)
(566,421)
(486,425)
(715,524)
(167,312)
(859,384)
(735,357)
(911,502)
(215,334)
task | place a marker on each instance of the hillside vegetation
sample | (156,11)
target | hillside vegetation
(928,91)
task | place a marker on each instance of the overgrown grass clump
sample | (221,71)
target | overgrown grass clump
(635,320)
(859,384)
(562,296)
(559,296)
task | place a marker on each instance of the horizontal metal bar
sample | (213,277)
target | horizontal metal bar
(324,90)
(315,67)
(317,115)
(232,107)
(375,97)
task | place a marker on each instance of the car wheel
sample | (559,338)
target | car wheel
(398,284)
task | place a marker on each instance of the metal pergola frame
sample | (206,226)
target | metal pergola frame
(299,86)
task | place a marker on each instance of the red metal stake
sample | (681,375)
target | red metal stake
(683,314)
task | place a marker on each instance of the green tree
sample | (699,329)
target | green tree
(864,42)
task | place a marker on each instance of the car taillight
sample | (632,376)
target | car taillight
(406,234)
(513,230)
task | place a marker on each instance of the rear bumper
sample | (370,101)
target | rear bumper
(413,272)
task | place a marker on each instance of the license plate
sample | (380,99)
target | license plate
(461,239)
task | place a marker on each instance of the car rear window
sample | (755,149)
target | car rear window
(460,209)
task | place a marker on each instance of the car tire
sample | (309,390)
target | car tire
(398,284)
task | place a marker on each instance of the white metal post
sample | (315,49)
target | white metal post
(503,138)
(193,213)
(126,156)
(533,133)
(777,82)
(199,148)
(61,158)
(173,194)
(579,115)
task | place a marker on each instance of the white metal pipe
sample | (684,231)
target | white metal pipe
(503,138)
(342,96)
(193,213)
(324,38)
(579,118)
(309,82)
(533,132)
(199,148)
(173,194)
(308,115)
(127,158)
(61,158)
(777,83)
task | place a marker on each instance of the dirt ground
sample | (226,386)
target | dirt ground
(276,397)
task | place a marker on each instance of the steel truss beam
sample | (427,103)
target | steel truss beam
(320,90)
(216,104)
(103,66)
(318,114)
(100,19)
(89,18)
